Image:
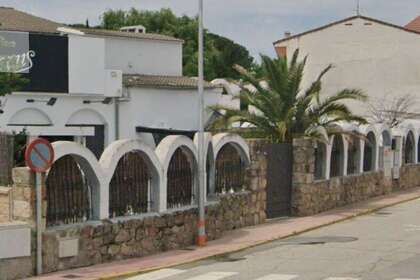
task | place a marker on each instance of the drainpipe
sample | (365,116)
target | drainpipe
(117,118)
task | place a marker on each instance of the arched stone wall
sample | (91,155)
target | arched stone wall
(114,152)
(93,172)
(219,140)
(165,150)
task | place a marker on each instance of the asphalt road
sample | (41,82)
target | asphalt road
(382,246)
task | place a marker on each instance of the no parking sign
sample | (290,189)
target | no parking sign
(39,155)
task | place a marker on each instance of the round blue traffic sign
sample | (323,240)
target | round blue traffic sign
(39,155)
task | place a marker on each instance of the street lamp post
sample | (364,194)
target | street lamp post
(202,237)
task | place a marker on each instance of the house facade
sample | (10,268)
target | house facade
(377,57)
(96,86)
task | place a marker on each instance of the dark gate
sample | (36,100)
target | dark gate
(279,179)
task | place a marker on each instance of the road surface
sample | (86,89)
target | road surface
(381,246)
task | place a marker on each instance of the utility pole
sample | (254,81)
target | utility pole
(201,225)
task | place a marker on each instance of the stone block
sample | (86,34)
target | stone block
(23,177)
(68,248)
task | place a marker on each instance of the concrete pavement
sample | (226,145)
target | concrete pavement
(236,241)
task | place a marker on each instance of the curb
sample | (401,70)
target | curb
(362,213)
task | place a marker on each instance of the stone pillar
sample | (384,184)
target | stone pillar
(23,196)
(256,182)
(303,175)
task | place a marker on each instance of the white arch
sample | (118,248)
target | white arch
(30,116)
(93,171)
(165,150)
(366,130)
(86,117)
(114,152)
(211,172)
(221,139)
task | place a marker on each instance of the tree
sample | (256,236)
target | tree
(221,53)
(393,112)
(281,110)
(10,82)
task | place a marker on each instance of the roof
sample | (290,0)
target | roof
(345,20)
(414,25)
(115,33)
(176,82)
(14,20)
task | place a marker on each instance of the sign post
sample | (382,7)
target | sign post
(39,157)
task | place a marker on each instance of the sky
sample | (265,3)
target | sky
(256,24)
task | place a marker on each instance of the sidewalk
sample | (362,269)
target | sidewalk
(233,241)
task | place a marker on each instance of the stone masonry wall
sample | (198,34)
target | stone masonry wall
(409,177)
(129,237)
(310,197)
(97,242)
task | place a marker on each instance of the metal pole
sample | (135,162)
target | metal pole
(39,181)
(202,237)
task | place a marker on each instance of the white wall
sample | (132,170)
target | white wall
(381,60)
(163,108)
(154,108)
(149,57)
(86,65)
(68,109)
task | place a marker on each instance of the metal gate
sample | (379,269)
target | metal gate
(279,179)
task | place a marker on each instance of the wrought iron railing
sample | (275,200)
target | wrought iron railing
(180,181)
(68,194)
(230,170)
(129,190)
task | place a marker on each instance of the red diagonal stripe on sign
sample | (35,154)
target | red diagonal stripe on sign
(40,155)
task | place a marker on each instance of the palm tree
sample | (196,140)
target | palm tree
(282,111)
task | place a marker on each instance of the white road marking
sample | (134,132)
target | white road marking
(213,276)
(157,275)
(407,279)
(278,277)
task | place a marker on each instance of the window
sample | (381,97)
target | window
(320,160)
(353,158)
(369,153)
(230,170)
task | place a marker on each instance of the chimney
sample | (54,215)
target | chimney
(287,34)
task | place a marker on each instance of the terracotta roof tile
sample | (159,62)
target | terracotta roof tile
(414,25)
(163,82)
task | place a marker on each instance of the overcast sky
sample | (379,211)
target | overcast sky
(252,23)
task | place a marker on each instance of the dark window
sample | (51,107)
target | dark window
(96,143)
(409,148)
(50,64)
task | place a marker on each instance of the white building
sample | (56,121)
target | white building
(380,58)
(96,86)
